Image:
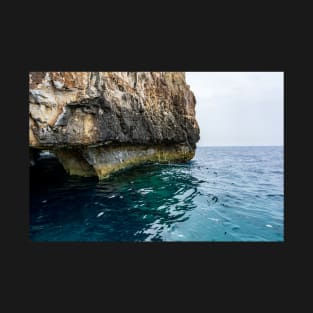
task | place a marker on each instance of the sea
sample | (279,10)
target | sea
(224,194)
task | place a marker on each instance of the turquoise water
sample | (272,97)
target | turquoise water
(223,194)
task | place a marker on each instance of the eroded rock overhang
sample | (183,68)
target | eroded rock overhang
(99,122)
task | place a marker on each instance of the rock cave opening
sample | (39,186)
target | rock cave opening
(45,166)
(57,164)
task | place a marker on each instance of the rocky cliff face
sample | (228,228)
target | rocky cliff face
(99,122)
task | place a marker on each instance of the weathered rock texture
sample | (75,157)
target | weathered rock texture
(99,122)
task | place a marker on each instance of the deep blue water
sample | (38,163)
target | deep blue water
(223,194)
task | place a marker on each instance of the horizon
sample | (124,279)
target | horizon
(198,146)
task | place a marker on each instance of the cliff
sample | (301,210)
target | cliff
(99,122)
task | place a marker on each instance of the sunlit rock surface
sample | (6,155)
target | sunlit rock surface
(100,122)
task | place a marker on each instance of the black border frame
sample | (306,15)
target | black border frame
(60,276)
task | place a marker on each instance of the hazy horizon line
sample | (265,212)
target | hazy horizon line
(198,146)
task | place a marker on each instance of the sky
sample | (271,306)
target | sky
(239,108)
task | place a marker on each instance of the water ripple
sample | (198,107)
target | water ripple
(224,194)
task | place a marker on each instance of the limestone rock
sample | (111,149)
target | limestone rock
(99,122)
